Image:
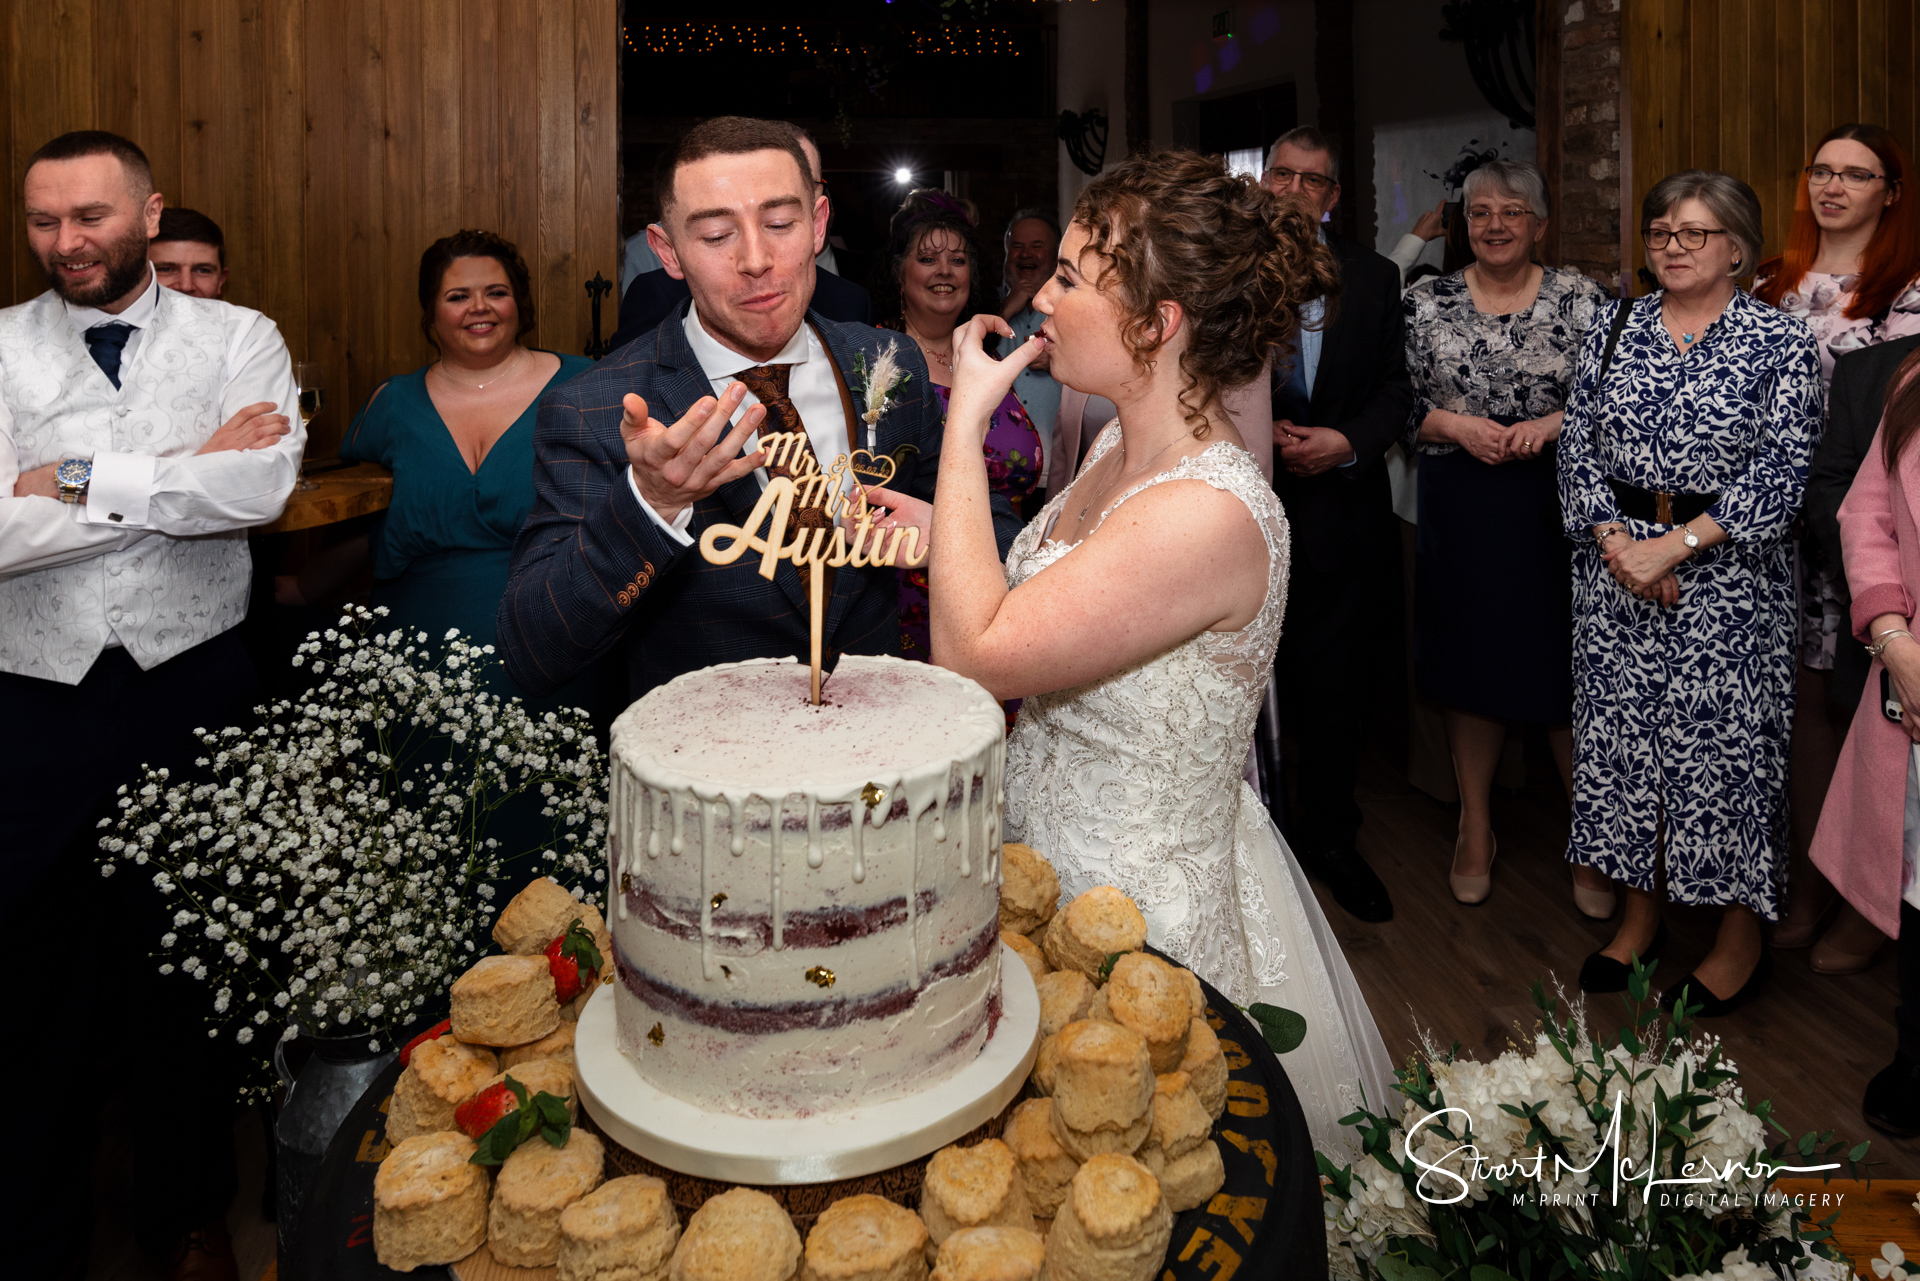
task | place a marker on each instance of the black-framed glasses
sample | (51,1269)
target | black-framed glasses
(1689,237)
(1820,176)
(1315,182)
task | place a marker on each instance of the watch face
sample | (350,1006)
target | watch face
(74,471)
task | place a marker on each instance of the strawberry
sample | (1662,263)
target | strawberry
(433,1033)
(574,962)
(484,1110)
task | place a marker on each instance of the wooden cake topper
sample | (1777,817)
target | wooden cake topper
(848,512)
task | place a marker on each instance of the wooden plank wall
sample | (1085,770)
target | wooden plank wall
(1748,86)
(333,140)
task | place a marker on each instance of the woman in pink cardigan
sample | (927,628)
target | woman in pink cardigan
(1868,840)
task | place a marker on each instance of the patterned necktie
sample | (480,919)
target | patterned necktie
(105,343)
(768,383)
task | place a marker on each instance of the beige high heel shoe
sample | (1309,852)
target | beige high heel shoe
(1597,905)
(1472,890)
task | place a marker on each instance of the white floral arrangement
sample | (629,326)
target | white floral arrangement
(880,386)
(1569,1157)
(331,869)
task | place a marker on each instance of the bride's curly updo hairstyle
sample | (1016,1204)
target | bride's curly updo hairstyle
(1175,226)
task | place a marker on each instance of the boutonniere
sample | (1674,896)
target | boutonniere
(880,386)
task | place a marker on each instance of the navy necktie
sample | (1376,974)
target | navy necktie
(105,343)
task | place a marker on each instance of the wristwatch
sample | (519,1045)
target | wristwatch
(72,476)
(1691,539)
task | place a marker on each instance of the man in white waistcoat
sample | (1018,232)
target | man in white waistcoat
(142,432)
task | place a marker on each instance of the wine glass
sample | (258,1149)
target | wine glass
(313,395)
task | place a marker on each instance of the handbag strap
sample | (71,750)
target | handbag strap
(1620,315)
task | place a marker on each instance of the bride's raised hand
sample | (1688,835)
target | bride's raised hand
(980,382)
(900,510)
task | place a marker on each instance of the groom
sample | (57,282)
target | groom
(608,555)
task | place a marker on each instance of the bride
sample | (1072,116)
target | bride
(1137,616)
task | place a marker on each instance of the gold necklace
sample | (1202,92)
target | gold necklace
(1081,519)
(513,363)
(927,347)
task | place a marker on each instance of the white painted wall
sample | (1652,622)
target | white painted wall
(1092,73)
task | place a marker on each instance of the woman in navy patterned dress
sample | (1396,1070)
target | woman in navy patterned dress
(1680,472)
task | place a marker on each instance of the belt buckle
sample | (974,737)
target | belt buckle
(1663,509)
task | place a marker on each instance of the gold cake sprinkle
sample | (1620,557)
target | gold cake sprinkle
(658,1036)
(821,975)
(873,794)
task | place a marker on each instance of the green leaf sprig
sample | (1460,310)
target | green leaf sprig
(1283,1028)
(544,1113)
(577,945)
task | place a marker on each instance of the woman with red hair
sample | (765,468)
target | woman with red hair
(1849,271)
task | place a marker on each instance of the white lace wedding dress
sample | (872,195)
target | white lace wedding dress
(1135,780)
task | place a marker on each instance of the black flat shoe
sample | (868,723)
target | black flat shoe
(1711,1006)
(1892,1103)
(1601,973)
(1355,886)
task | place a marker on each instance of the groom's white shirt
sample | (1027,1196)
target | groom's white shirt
(810,386)
(156,560)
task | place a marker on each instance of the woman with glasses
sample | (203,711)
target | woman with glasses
(1683,459)
(1849,271)
(1490,350)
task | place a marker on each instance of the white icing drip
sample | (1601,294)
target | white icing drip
(650,808)
(706,890)
(677,844)
(779,920)
(940,810)
(966,797)
(814,855)
(860,814)
(913,892)
(738,813)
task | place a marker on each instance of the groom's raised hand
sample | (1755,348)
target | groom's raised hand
(674,467)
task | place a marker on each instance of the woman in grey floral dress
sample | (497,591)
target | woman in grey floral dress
(1490,350)
(1682,467)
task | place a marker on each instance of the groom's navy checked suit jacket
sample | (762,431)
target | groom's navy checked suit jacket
(591,570)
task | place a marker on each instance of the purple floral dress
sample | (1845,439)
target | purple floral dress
(1014,468)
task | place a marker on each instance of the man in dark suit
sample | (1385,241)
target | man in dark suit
(654,295)
(1337,405)
(621,498)
(1854,406)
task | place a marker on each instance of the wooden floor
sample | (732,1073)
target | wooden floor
(1808,1042)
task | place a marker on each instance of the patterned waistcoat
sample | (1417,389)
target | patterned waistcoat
(159,594)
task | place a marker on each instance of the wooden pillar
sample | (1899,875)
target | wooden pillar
(1547,113)
(1138,90)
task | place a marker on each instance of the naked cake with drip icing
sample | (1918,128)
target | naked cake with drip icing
(806,899)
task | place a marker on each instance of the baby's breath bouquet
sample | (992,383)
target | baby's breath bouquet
(333,868)
(1575,1157)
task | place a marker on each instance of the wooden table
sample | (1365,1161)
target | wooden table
(334,496)
(1870,1215)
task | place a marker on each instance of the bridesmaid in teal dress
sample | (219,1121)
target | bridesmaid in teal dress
(457,435)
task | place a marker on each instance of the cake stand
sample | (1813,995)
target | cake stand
(816,1149)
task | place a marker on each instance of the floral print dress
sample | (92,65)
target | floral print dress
(1014,468)
(1821,300)
(1684,713)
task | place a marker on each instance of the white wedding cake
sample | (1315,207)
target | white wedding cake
(806,899)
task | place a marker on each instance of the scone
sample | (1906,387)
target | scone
(1029,889)
(1195,992)
(623,1230)
(1192,1179)
(505,1000)
(991,1254)
(1046,1062)
(1045,1166)
(973,1187)
(550,1076)
(1095,926)
(1149,996)
(429,1202)
(1180,1123)
(537,1182)
(1206,1067)
(740,1235)
(440,1076)
(557,1044)
(865,1238)
(1102,1089)
(1113,1226)
(538,915)
(1065,997)
(1028,952)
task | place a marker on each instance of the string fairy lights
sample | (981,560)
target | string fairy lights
(791,38)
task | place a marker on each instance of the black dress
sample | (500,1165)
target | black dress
(1493,599)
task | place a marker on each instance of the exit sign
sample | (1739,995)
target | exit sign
(1223,25)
